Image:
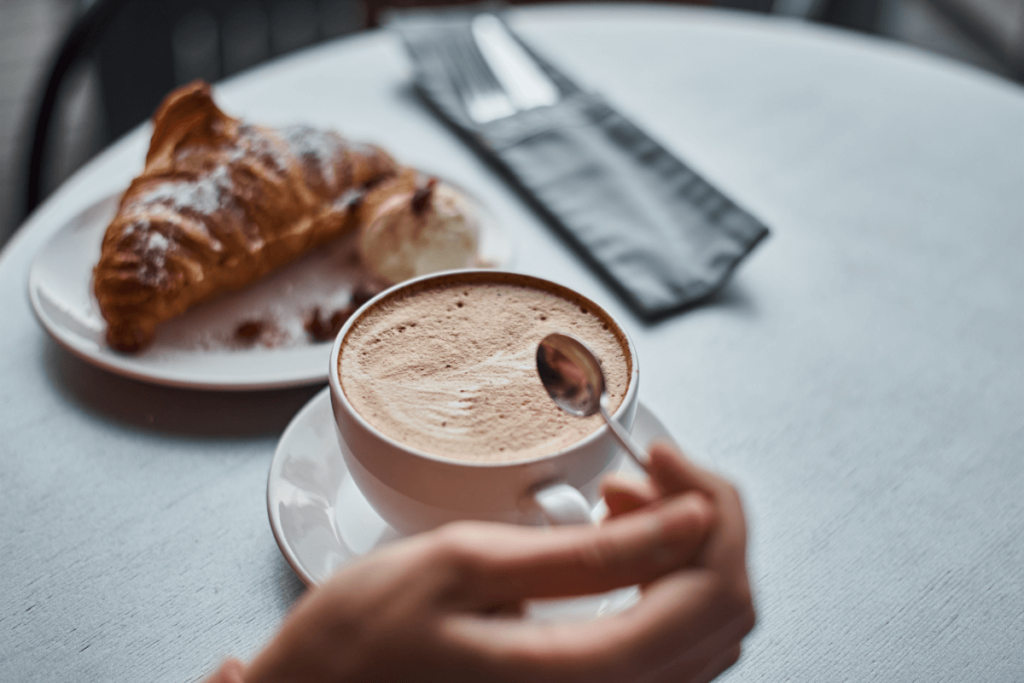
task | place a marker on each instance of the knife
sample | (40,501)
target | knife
(526,84)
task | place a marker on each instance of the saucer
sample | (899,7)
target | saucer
(322,522)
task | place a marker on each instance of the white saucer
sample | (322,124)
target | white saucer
(322,522)
(199,349)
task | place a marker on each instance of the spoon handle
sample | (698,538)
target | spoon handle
(627,442)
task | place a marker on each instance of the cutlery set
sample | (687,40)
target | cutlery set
(493,74)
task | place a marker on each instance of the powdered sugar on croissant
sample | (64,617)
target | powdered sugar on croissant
(221,203)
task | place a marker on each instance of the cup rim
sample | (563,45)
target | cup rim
(334,376)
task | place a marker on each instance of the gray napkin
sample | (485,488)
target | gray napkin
(659,234)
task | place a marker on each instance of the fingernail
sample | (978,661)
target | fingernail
(693,508)
(667,447)
(685,526)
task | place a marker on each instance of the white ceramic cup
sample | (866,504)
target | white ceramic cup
(415,491)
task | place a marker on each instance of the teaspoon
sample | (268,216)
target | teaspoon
(573,378)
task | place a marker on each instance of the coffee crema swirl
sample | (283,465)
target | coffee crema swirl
(450,369)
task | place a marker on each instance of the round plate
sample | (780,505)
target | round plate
(201,349)
(322,522)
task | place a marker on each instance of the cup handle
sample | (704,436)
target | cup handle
(562,504)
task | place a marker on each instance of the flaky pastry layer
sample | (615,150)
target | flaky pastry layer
(222,202)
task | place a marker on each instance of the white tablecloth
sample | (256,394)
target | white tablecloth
(861,378)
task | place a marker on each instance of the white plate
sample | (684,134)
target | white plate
(322,522)
(200,349)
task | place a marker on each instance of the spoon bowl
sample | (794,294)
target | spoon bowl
(572,376)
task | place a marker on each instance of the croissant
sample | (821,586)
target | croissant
(220,203)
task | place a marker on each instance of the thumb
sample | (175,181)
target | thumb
(578,560)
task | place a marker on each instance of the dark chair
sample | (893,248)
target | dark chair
(996,28)
(142,49)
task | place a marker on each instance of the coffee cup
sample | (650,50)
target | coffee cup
(403,392)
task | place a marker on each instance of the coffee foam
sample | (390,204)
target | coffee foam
(451,370)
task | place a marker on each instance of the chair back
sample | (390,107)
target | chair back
(142,49)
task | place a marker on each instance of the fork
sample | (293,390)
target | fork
(482,95)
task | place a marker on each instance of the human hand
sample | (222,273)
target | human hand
(446,605)
(712,595)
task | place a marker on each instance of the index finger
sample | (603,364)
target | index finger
(672,473)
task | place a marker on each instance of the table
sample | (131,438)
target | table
(861,378)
